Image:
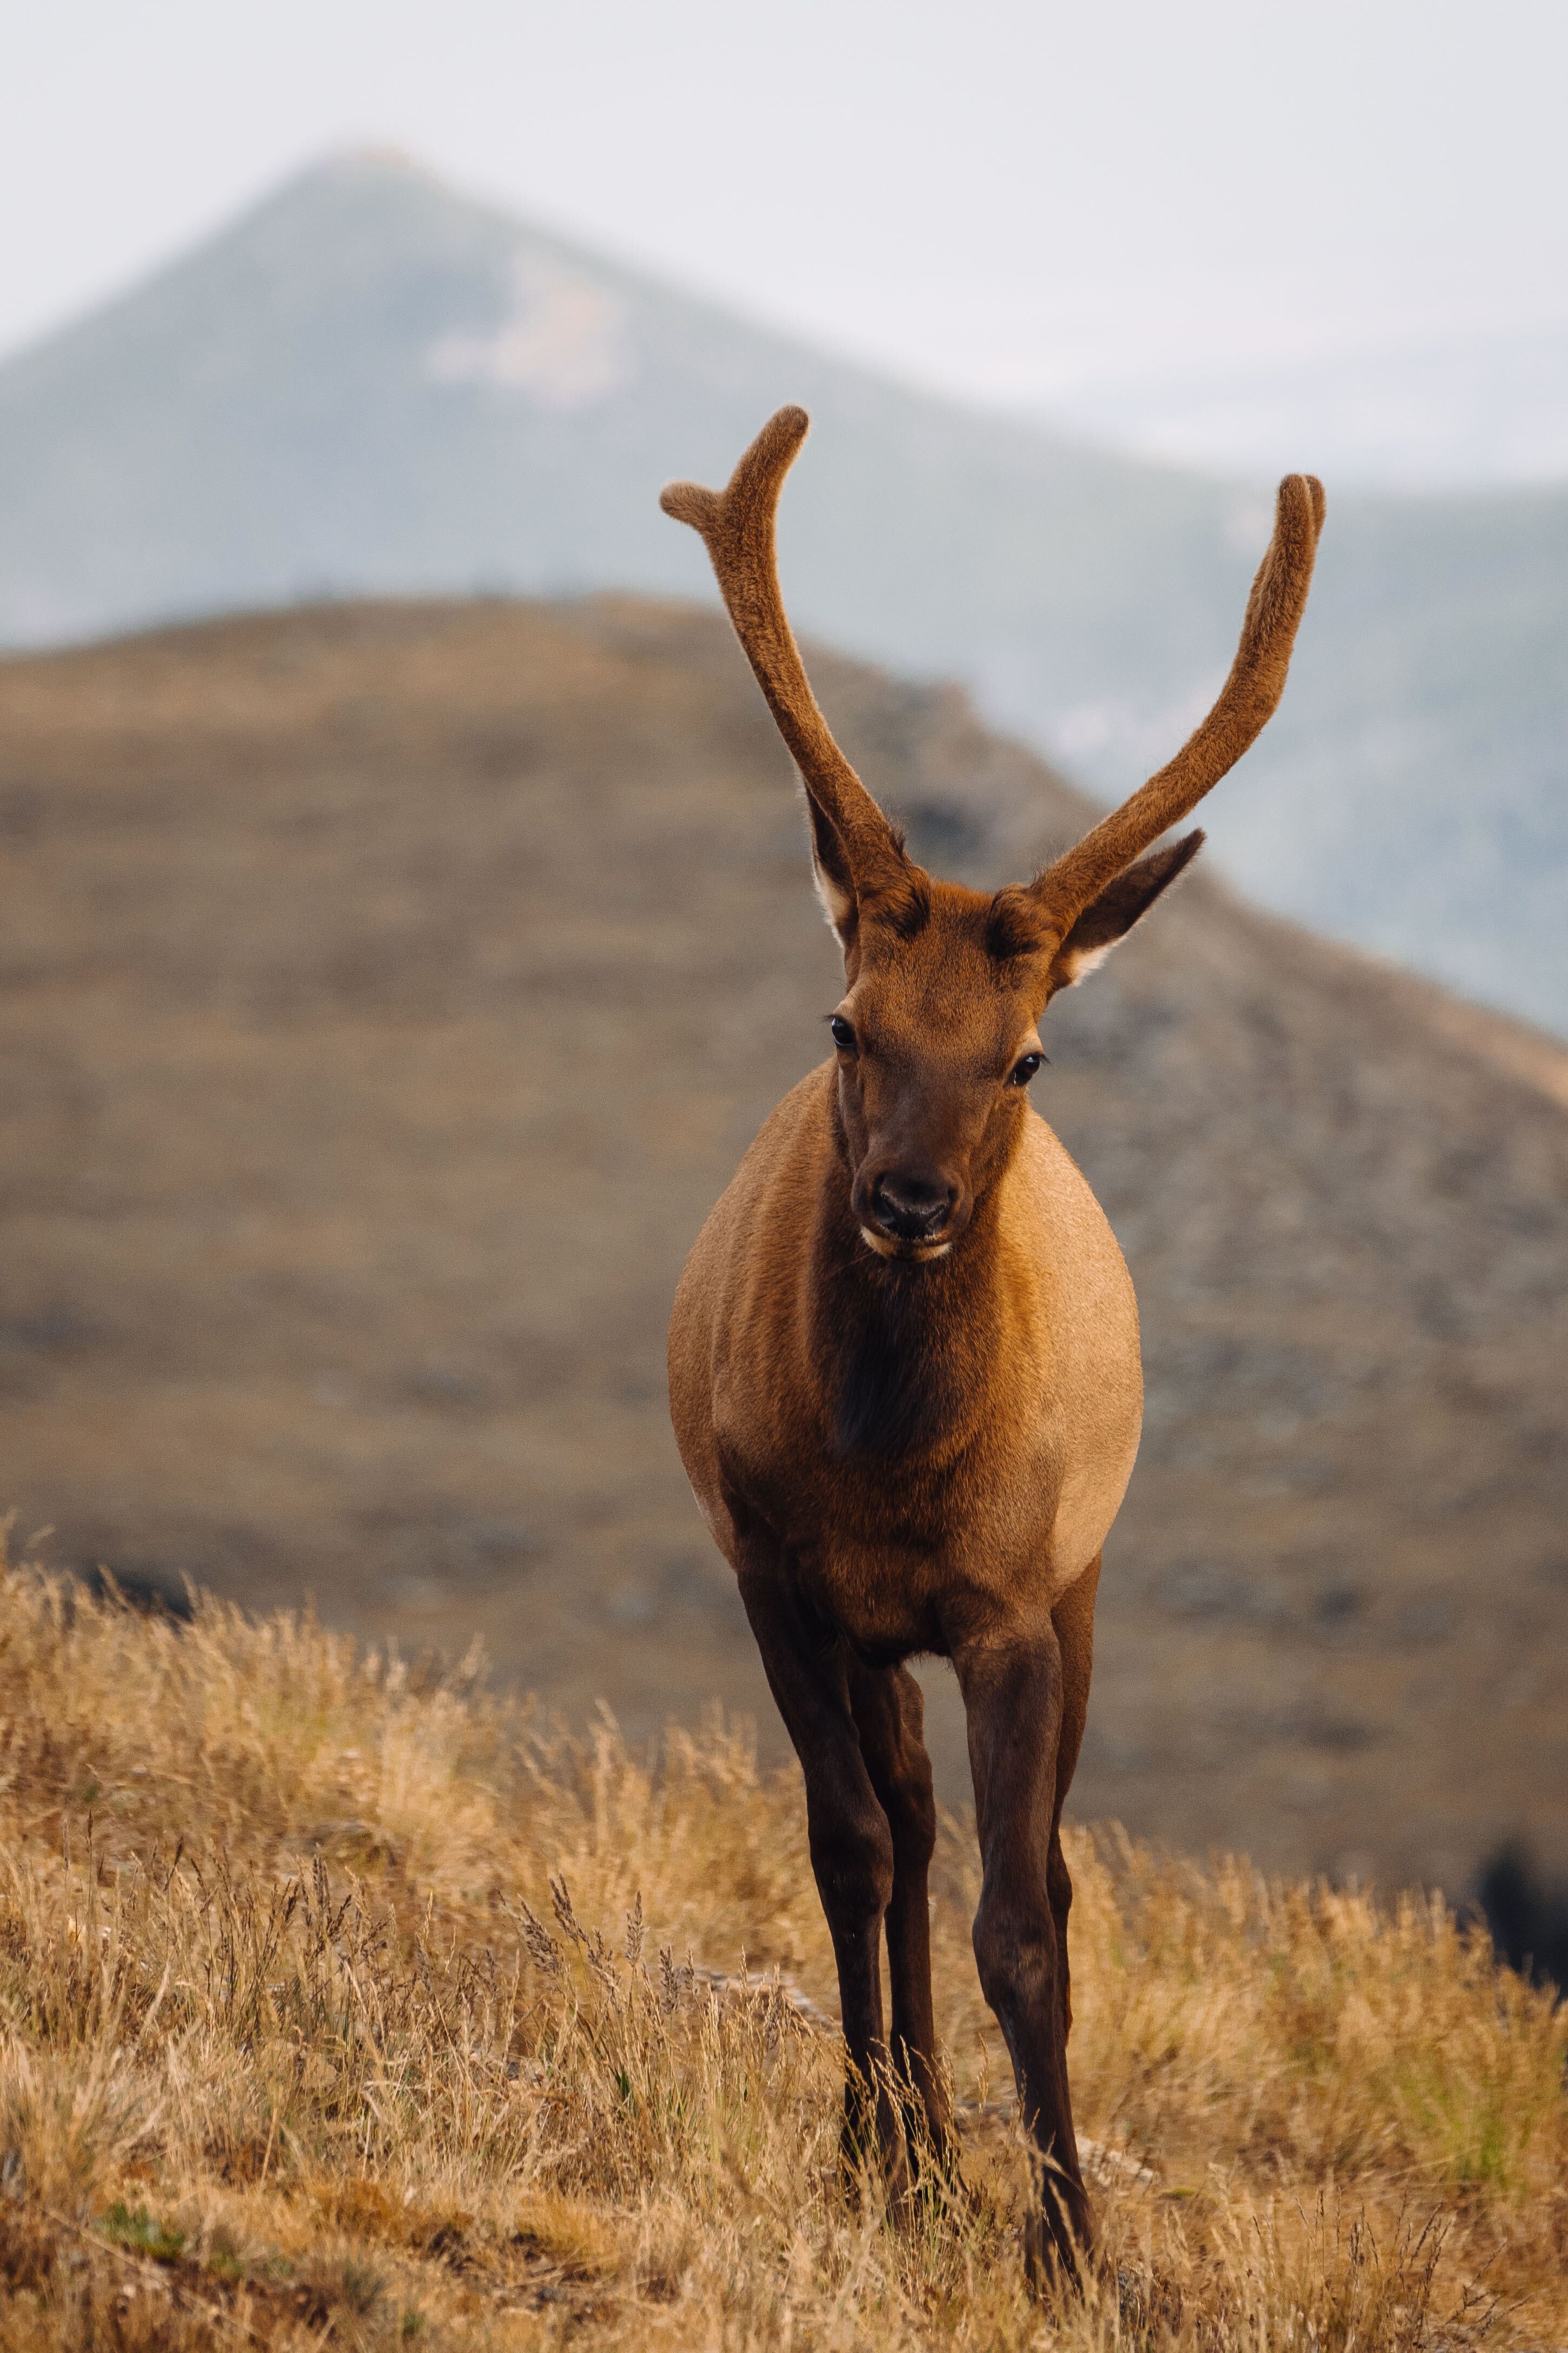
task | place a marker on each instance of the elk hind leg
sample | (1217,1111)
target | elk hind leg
(889,1716)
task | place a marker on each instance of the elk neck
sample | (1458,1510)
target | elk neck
(908,1354)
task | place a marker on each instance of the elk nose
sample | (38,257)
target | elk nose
(913,1203)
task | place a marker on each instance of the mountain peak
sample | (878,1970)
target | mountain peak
(372,384)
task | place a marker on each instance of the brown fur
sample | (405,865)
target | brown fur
(904,1365)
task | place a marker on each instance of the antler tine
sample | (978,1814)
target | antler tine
(1247,700)
(736,526)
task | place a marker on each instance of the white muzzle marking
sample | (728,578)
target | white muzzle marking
(920,1252)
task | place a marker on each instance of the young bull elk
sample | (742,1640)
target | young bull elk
(904,1363)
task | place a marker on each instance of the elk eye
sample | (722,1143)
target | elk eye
(843,1035)
(1023,1069)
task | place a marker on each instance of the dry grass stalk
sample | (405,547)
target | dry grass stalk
(343,2003)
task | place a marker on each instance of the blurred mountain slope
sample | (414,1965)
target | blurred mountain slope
(371,384)
(1419,412)
(386,993)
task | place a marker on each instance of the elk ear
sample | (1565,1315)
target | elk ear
(1122,903)
(830,873)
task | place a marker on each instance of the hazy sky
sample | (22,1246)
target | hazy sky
(1011,200)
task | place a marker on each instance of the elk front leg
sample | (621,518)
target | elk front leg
(1013,1697)
(851,1847)
(1073,1619)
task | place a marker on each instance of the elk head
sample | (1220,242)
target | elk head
(937,1034)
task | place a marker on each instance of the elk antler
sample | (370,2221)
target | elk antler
(1247,700)
(737,527)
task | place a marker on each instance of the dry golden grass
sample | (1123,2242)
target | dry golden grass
(300,2046)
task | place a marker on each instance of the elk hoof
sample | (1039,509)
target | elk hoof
(1058,2247)
(872,2147)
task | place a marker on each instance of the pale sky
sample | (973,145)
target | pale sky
(1009,201)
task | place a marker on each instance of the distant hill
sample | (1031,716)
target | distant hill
(371,384)
(386,993)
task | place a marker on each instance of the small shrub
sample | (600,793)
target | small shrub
(134,2227)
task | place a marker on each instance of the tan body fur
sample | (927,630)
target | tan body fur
(912,1559)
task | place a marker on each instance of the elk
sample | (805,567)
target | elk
(904,1369)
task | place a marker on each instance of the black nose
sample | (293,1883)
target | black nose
(912,1203)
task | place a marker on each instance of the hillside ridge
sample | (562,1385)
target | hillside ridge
(386,993)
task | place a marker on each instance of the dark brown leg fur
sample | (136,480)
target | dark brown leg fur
(889,1716)
(852,1846)
(1014,1694)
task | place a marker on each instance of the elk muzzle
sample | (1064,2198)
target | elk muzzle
(910,1209)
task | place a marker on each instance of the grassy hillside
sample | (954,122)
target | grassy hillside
(368,385)
(387,993)
(341,2005)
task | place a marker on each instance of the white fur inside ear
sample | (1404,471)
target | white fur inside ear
(836,904)
(1083,961)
